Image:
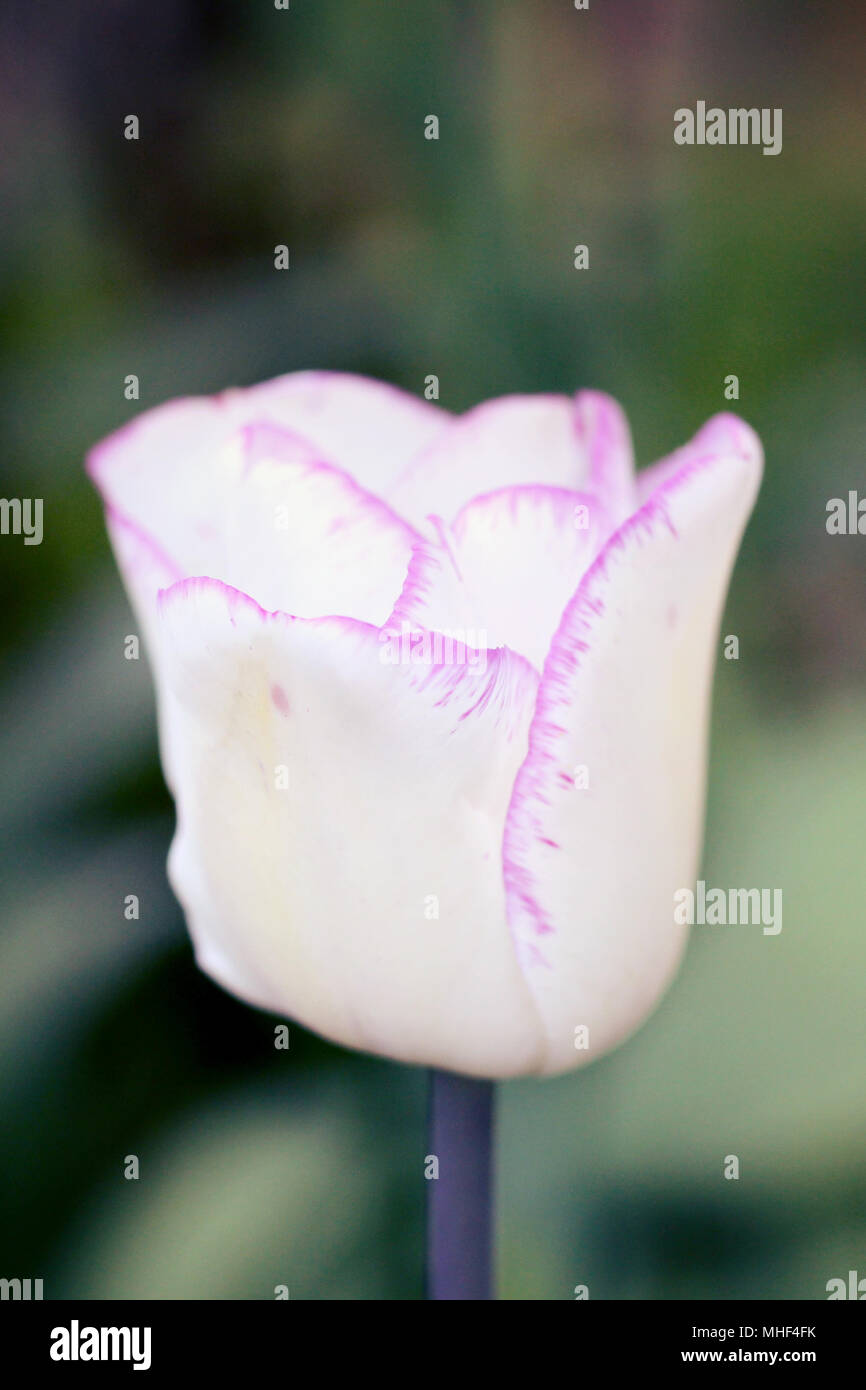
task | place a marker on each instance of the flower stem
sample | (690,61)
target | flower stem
(460,1199)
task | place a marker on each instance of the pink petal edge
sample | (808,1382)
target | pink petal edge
(566,650)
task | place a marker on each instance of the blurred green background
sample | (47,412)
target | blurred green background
(412,257)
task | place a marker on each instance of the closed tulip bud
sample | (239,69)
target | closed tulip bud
(433,700)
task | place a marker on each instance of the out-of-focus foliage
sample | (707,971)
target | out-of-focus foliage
(410,257)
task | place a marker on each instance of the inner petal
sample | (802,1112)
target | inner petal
(302,537)
(505,569)
(504,442)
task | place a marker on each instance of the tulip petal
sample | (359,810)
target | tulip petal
(297,533)
(159,475)
(302,537)
(722,434)
(516,439)
(145,570)
(605,440)
(365,898)
(506,567)
(366,427)
(591,870)
(161,472)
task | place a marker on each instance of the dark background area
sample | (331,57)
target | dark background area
(411,257)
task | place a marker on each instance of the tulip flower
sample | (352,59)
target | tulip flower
(433,699)
(456,862)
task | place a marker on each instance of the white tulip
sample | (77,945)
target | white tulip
(433,698)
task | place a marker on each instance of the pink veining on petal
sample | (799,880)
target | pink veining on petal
(503,683)
(144,539)
(445,541)
(529,955)
(507,679)
(511,439)
(534,783)
(263,441)
(603,431)
(267,442)
(420,574)
(561,501)
(722,434)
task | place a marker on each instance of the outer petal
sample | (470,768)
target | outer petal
(311,900)
(722,434)
(591,872)
(146,570)
(160,471)
(159,475)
